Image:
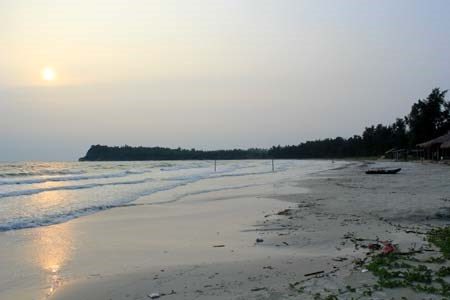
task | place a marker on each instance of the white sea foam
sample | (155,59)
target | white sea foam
(19,173)
(69,187)
(69,178)
(30,201)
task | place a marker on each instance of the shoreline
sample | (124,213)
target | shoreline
(308,224)
(173,227)
(318,226)
(315,227)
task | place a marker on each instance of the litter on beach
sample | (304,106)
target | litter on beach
(383,171)
(314,273)
(388,248)
(258,289)
(374,246)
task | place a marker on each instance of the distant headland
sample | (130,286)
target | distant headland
(428,119)
(126,153)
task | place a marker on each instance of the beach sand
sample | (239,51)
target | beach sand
(204,245)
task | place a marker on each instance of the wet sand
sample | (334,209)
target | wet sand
(136,251)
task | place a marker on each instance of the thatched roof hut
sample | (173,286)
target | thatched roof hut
(445,145)
(437,148)
(439,141)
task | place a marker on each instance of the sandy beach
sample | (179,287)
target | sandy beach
(226,149)
(204,245)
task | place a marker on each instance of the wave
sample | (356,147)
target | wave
(213,174)
(60,217)
(69,187)
(228,188)
(181,181)
(178,168)
(134,172)
(245,174)
(72,209)
(42,173)
(51,219)
(69,178)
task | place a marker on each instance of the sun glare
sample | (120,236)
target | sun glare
(48,74)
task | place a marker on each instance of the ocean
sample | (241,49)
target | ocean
(34,194)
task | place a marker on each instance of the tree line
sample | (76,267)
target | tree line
(124,153)
(427,119)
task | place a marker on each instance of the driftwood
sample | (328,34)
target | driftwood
(314,273)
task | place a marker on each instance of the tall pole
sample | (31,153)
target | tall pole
(273,166)
(215,165)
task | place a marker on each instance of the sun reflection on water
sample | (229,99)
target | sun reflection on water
(53,249)
(52,246)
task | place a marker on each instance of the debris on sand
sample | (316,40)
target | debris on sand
(219,246)
(259,240)
(374,246)
(340,259)
(258,289)
(154,295)
(286,212)
(388,248)
(314,273)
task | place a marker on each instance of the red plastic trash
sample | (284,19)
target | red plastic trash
(388,248)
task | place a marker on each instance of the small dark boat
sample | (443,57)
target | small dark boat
(383,171)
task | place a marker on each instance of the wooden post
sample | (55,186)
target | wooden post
(215,165)
(273,166)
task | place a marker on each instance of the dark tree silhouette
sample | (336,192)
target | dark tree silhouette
(427,119)
(124,153)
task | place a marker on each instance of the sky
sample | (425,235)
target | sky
(210,74)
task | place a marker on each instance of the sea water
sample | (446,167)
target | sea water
(36,194)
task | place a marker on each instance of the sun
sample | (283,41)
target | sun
(48,74)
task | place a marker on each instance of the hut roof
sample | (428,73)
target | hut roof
(445,145)
(443,139)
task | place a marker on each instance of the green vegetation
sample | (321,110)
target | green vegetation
(399,270)
(124,153)
(318,296)
(392,271)
(427,119)
(421,270)
(441,238)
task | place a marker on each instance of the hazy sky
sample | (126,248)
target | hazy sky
(210,74)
